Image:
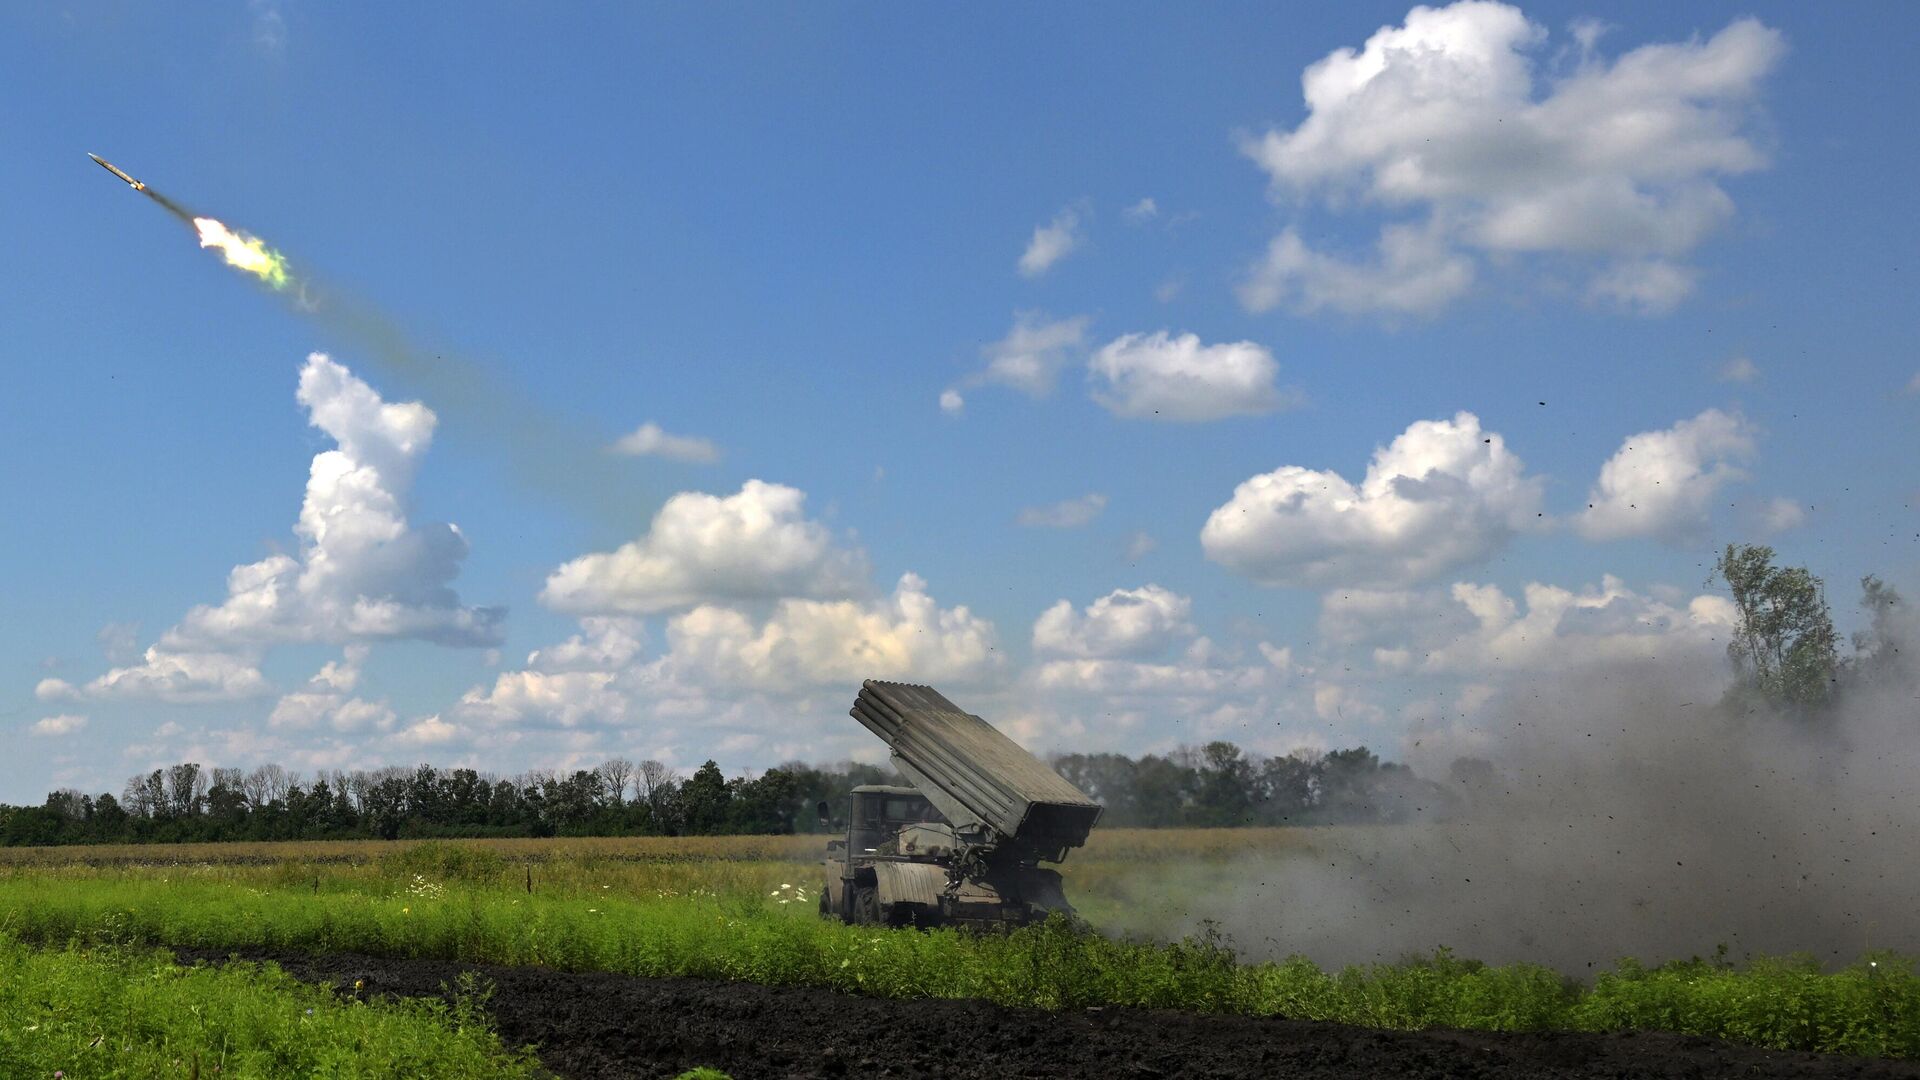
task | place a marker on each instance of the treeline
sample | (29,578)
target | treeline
(1212,785)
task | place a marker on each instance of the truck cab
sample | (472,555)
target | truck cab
(964,844)
(877,815)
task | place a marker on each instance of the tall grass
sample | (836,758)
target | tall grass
(397,908)
(133,1014)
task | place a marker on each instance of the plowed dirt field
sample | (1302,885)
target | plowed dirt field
(589,1026)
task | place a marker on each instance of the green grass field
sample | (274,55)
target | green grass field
(744,909)
(76,1012)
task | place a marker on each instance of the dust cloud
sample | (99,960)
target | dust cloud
(1622,817)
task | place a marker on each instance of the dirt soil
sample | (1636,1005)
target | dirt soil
(590,1025)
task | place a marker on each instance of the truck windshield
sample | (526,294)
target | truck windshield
(910,809)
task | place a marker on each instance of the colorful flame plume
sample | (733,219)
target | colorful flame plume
(244,251)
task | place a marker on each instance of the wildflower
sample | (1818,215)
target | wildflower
(406,911)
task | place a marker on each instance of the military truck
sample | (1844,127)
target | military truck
(963,844)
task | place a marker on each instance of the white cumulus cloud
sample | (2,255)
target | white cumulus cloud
(1450,118)
(1442,495)
(180,678)
(1162,377)
(1644,286)
(363,571)
(327,700)
(1663,483)
(833,642)
(757,543)
(1413,273)
(1029,359)
(1559,629)
(55,726)
(650,440)
(1123,623)
(1051,243)
(1740,369)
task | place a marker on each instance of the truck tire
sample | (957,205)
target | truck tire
(866,906)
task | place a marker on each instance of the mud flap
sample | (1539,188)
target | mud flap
(1042,892)
(910,883)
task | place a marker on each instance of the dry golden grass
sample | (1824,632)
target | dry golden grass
(1105,845)
(357,852)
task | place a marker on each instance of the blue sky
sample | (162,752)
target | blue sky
(788,232)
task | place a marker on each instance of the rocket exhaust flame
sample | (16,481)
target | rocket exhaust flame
(244,252)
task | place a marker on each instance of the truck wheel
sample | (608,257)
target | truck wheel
(826,904)
(866,906)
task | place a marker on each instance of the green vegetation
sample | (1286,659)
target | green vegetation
(735,920)
(1784,648)
(77,1013)
(1215,785)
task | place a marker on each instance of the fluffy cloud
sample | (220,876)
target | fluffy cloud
(952,403)
(55,726)
(1029,359)
(755,544)
(1141,212)
(327,700)
(180,678)
(649,440)
(1051,243)
(725,665)
(363,572)
(1070,514)
(427,731)
(834,643)
(1663,483)
(1486,634)
(1414,273)
(1442,495)
(1617,162)
(1157,376)
(1645,286)
(565,698)
(1123,623)
(1740,369)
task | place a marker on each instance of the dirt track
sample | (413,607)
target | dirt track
(598,1025)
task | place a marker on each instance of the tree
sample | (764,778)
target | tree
(186,787)
(1226,791)
(704,800)
(1783,646)
(616,772)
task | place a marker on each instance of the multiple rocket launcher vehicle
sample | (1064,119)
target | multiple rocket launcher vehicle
(963,845)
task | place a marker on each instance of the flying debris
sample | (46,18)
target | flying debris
(110,167)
